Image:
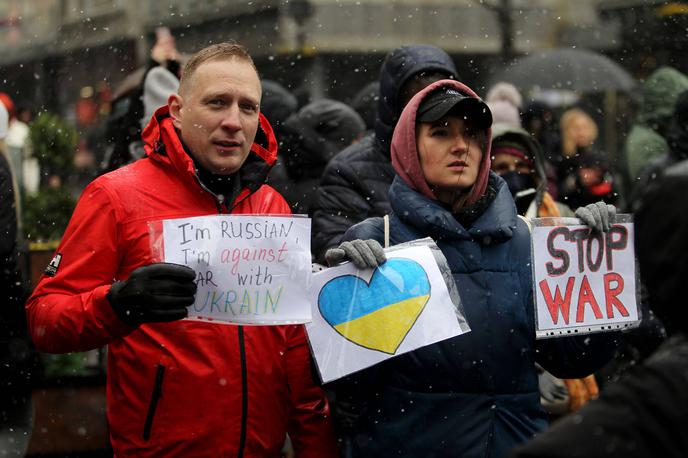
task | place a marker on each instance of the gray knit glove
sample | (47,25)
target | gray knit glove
(599,216)
(365,254)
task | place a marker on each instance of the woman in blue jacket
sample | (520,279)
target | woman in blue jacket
(475,394)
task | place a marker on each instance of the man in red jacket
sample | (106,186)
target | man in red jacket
(178,387)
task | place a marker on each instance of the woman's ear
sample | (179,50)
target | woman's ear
(176,102)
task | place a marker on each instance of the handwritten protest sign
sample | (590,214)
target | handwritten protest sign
(363,317)
(584,281)
(249,269)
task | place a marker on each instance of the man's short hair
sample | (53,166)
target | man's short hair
(226,50)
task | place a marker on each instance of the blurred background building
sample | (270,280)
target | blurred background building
(52,49)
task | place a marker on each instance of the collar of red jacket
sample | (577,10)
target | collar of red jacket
(162,143)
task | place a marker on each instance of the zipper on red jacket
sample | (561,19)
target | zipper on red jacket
(219,199)
(222,208)
(244,393)
(155,397)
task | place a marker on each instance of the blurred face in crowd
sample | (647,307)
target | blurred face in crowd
(216,113)
(590,176)
(581,130)
(450,153)
(505,163)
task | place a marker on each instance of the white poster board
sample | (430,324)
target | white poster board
(584,281)
(363,317)
(249,269)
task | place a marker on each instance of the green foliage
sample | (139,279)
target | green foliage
(65,365)
(47,213)
(53,143)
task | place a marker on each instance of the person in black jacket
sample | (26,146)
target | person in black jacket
(355,183)
(645,413)
(365,103)
(311,137)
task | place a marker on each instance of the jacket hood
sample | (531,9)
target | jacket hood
(400,65)
(316,133)
(660,92)
(365,103)
(277,103)
(404,152)
(163,144)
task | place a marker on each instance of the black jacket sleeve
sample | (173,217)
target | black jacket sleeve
(340,205)
(643,414)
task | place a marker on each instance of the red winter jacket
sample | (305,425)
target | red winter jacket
(183,388)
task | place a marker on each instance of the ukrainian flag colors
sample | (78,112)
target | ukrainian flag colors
(377,315)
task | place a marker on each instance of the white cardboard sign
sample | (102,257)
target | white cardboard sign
(584,281)
(363,317)
(249,269)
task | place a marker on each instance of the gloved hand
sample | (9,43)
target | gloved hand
(551,388)
(599,216)
(365,254)
(154,293)
(553,394)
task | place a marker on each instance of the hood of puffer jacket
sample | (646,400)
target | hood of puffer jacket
(162,143)
(400,65)
(316,134)
(277,103)
(660,92)
(405,159)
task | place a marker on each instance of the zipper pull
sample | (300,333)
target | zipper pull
(220,199)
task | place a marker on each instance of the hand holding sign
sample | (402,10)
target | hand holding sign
(363,253)
(155,293)
(599,216)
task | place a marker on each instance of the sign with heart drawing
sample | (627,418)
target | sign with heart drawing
(363,317)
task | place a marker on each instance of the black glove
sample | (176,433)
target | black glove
(154,293)
(364,254)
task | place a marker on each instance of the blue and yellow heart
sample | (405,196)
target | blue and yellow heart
(377,315)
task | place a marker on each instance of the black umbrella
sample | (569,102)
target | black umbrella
(567,69)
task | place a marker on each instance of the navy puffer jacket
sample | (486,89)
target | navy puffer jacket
(354,184)
(476,394)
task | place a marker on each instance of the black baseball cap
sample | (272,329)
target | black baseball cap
(441,102)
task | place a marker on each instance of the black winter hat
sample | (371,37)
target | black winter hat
(335,121)
(661,243)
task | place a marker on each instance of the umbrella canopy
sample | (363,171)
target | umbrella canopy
(566,69)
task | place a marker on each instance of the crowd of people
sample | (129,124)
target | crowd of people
(419,147)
